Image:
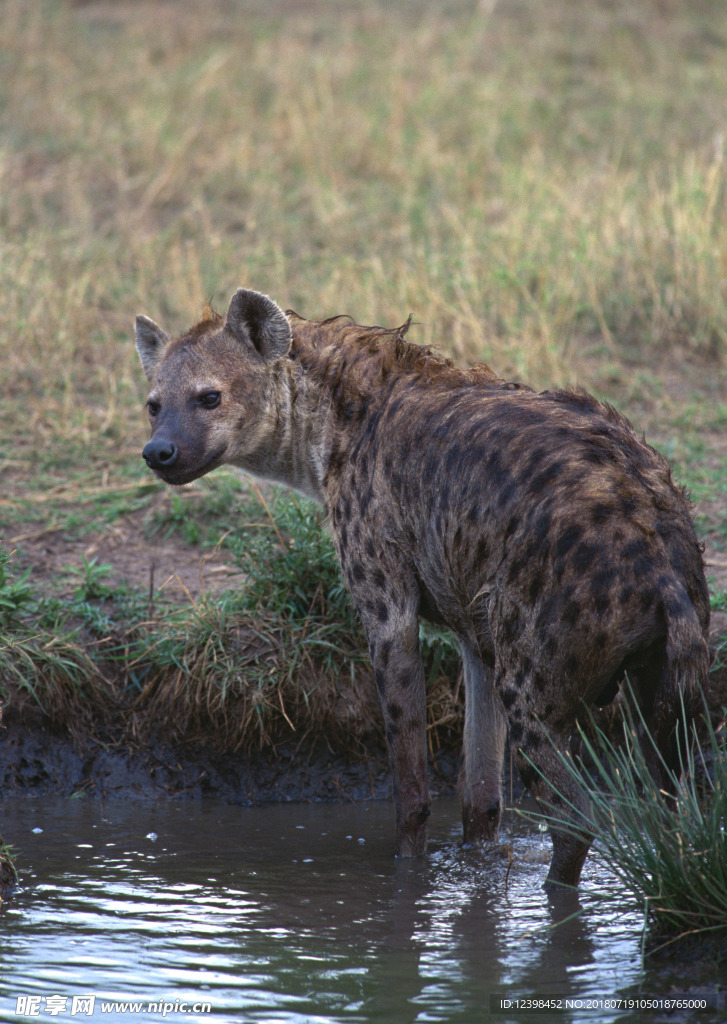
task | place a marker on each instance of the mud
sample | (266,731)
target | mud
(35,759)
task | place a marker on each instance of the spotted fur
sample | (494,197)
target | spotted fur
(539,527)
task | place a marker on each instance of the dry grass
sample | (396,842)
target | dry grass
(523,179)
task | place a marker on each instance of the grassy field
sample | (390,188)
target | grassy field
(542,185)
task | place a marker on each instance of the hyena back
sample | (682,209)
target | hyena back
(537,526)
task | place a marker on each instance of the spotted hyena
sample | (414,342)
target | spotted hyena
(537,526)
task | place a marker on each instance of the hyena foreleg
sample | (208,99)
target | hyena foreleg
(399,674)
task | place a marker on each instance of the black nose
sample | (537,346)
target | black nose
(160,453)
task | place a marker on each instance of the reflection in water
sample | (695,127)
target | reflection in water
(294,913)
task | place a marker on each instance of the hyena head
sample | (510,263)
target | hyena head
(209,402)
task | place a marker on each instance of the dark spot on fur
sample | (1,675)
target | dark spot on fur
(507,493)
(511,627)
(516,731)
(364,501)
(385,652)
(516,568)
(535,587)
(675,605)
(604,580)
(601,513)
(378,579)
(570,536)
(532,740)
(584,555)
(393,710)
(646,600)
(571,612)
(382,612)
(628,505)
(481,553)
(638,553)
(509,696)
(544,479)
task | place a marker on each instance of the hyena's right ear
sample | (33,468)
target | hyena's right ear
(150,343)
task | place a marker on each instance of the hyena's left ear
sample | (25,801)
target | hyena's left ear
(255,318)
(150,343)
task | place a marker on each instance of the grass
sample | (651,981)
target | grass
(536,186)
(672,861)
(541,185)
(8,871)
(281,655)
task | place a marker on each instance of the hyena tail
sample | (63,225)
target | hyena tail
(679,696)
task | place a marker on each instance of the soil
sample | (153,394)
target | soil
(152,563)
(34,758)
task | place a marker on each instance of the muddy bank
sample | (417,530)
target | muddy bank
(40,757)
(35,759)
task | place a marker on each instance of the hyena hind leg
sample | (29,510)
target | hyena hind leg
(559,795)
(485,731)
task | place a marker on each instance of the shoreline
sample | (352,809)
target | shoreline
(37,760)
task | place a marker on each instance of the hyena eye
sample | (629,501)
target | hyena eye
(153,408)
(210,399)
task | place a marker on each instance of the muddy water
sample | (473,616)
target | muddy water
(298,913)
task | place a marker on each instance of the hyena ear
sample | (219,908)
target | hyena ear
(150,343)
(255,318)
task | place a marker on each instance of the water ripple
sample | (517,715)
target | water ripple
(283,914)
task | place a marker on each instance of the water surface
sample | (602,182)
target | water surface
(298,913)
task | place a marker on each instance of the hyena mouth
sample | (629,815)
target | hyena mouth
(178,476)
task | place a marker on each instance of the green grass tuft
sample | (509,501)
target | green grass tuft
(8,871)
(672,861)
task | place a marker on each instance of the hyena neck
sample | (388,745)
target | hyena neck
(325,390)
(335,369)
(288,442)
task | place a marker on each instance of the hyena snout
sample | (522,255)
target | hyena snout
(160,453)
